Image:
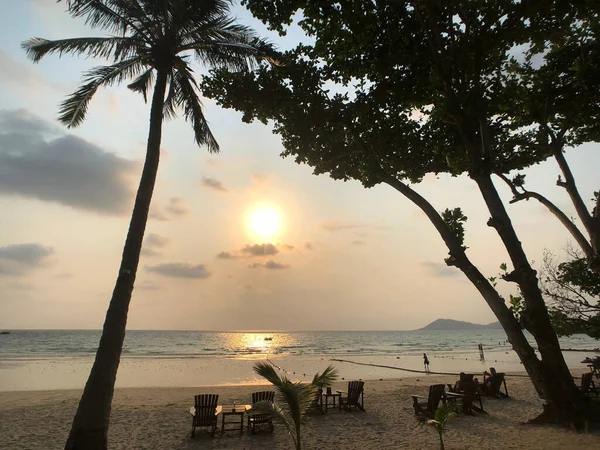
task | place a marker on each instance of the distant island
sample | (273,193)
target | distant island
(449,324)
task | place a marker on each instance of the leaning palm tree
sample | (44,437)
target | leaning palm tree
(151,43)
(293,398)
(443,415)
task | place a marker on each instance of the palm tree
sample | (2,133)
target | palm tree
(442,416)
(151,43)
(293,398)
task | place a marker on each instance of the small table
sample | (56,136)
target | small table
(333,395)
(453,396)
(238,411)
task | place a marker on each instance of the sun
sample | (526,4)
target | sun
(265,221)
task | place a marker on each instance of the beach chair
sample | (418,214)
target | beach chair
(468,394)
(587,384)
(355,396)
(437,393)
(205,412)
(259,419)
(595,367)
(317,403)
(494,384)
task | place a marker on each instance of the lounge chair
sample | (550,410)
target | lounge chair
(317,402)
(437,393)
(205,412)
(355,396)
(259,419)
(467,394)
(587,384)
(493,385)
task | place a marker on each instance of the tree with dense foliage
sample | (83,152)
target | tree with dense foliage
(572,292)
(293,398)
(151,44)
(392,90)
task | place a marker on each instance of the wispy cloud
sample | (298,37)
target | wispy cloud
(334,226)
(226,255)
(151,243)
(180,270)
(18,259)
(174,209)
(214,184)
(440,270)
(271,265)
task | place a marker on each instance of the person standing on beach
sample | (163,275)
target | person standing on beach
(426,362)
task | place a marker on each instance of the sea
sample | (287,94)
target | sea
(61,359)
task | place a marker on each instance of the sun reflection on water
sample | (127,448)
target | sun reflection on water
(255,345)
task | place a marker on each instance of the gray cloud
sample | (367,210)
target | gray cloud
(64,275)
(271,265)
(36,163)
(180,270)
(260,250)
(226,255)
(440,270)
(308,246)
(18,259)
(151,243)
(175,208)
(214,184)
(154,240)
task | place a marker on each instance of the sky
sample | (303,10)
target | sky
(343,257)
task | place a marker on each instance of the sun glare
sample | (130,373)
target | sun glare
(265,222)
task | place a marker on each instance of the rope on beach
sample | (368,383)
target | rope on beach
(409,370)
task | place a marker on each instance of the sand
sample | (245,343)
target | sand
(158,418)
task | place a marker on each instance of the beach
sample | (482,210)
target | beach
(158,418)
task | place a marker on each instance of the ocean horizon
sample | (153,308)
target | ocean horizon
(61,359)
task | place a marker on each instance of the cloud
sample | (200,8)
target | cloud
(147,285)
(334,226)
(175,208)
(18,259)
(211,183)
(271,265)
(151,243)
(358,242)
(260,250)
(308,246)
(65,169)
(13,71)
(440,270)
(226,255)
(180,270)
(288,247)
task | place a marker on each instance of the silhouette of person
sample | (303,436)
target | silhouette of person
(426,362)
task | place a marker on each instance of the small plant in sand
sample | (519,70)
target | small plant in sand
(442,416)
(292,399)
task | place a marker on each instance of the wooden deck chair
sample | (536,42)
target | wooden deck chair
(317,402)
(436,394)
(587,384)
(494,385)
(355,396)
(260,419)
(205,412)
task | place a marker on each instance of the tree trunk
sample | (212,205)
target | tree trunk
(90,425)
(563,401)
(459,259)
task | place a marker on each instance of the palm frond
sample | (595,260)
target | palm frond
(327,378)
(74,108)
(192,107)
(113,15)
(109,47)
(143,83)
(267,371)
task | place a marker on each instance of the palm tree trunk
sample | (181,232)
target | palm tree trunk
(90,425)
(441,441)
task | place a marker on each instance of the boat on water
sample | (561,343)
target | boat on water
(268,339)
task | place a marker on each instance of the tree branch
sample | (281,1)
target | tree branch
(562,217)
